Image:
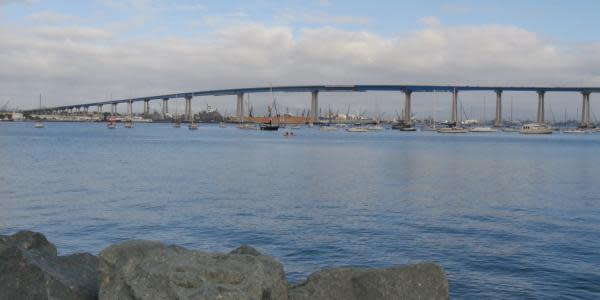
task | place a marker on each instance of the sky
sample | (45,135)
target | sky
(85,51)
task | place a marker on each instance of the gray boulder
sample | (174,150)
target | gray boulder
(419,281)
(31,269)
(145,270)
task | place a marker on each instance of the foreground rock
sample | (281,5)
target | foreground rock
(144,270)
(31,269)
(420,281)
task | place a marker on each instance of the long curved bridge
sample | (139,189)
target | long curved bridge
(316,89)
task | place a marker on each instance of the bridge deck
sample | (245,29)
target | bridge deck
(337,88)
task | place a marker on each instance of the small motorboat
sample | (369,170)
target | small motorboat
(357,129)
(375,128)
(410,128)
(269,126)
(328,128)
(39,125)
(296,127)
(575,131)
(452,130)
(247,126)
(193,126)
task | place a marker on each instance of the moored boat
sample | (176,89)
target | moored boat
(328,128)
(534,128)
(39,125)
(269,126)
(247,126)
(357,129)
(482,129)
(375,127)
(575,131)
(452,130)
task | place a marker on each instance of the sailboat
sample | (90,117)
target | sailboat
(176,122)
(483,129)
(269,126)
(193,125)
(431,127)
(511,128)
(328,127)
(39,124)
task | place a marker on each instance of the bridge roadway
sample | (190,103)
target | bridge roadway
(315,89)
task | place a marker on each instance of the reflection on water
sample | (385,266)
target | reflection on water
(507,216)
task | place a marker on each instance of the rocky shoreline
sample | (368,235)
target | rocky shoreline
(30,268)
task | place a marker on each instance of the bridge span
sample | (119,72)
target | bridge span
(407,90)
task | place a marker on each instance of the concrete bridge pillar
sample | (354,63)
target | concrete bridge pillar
(99,109)
(585,110)
(239,108)
(113,108)
(130,108)
(165,107)
(314,107)
(146,107)
(454,117)
(541,107)
(188,108)
(498,120)
(86,109)
(407,108)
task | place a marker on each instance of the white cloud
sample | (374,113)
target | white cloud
(73,64)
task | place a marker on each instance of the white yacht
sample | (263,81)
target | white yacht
(534,128)
(39,125)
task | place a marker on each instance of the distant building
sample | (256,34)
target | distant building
(17,116)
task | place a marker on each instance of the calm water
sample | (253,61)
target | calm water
(506,215)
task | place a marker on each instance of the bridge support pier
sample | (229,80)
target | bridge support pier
(585,110)
(407,108)
(99,109)
(113,108)
(239,112)
(146,107)
(314,107)
(454,117)
(188,108)
(541,107)
(498,120)
(165,107)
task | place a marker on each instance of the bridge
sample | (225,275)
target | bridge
(407,90)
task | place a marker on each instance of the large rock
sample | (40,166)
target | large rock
(144,270)
(31,269)
(419,281)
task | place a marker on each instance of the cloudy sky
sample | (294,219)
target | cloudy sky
(83,51)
